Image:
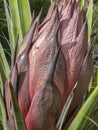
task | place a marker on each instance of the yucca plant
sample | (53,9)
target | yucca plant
(51,68)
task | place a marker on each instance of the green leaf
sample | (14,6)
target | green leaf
(10,27)
(81,3)
(1,86)
(15,18)
(90,85)
(4,67)
(25,15)
(89,19)
(2,72)
(81,119)
(94,81)
(19,122)
(64,112)
(96,76)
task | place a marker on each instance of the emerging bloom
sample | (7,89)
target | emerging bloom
(43,75)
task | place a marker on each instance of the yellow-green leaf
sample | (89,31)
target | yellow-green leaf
(4,67)
(81,119)
(25,15)
(89,19)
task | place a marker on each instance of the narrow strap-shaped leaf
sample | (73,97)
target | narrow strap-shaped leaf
(4,67)
(89,19)
(25,15)
(2,72)
(81,119)
(1,85)
(14,12)
(19,122)
(94,81)
(10,27)
(14,54)
(64,111)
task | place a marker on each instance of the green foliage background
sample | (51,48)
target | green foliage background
(35,5)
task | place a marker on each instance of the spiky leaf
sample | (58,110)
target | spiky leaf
(89,19)
(81,119)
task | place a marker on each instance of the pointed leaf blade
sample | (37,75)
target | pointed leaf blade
(80,120)
(64,111)
(10,26)
(89,19)
(25,15)
(4,67)
(15,17)
(19,122)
